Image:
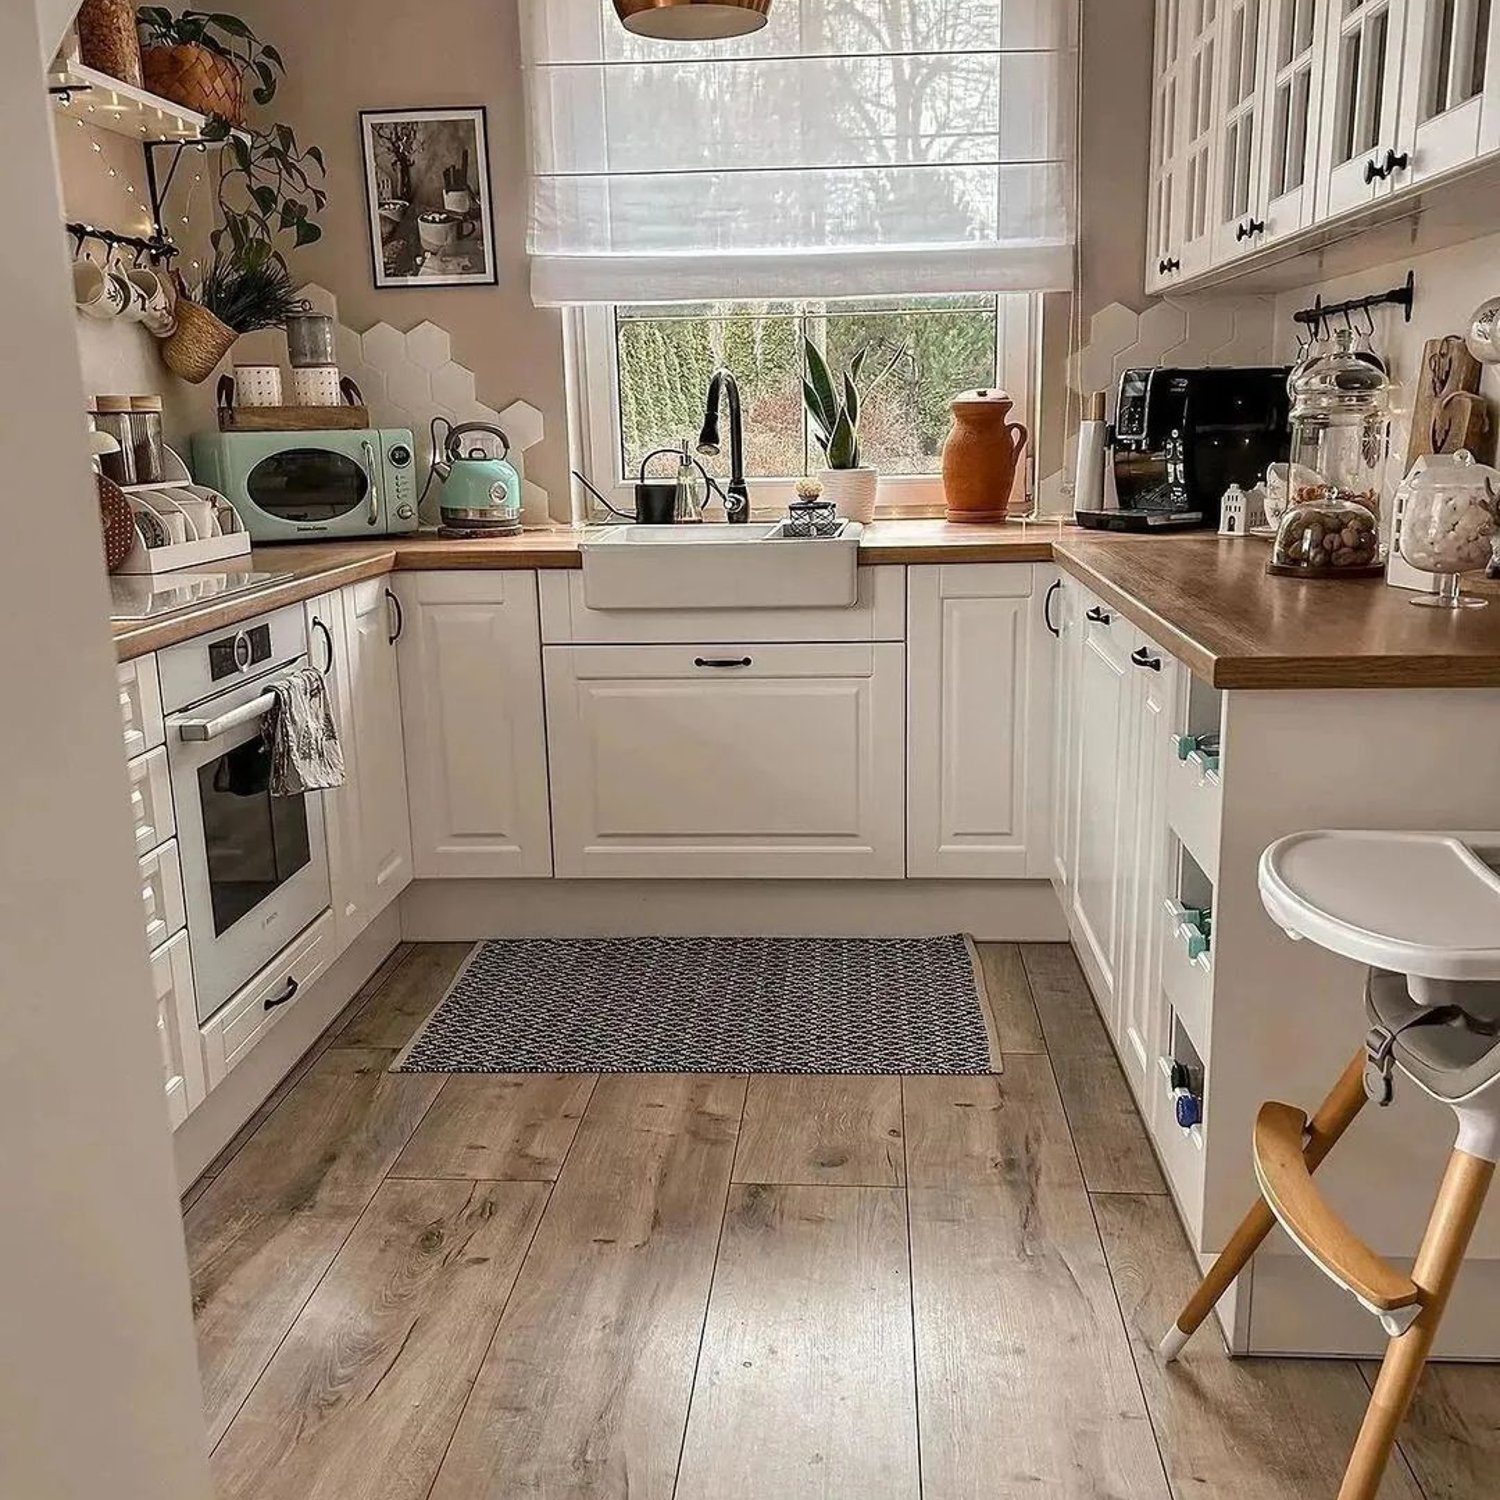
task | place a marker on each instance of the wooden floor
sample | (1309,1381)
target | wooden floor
(718,1288)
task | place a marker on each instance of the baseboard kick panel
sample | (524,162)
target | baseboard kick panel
(992,911)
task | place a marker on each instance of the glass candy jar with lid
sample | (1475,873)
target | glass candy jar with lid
(1340,424)
(1448,508)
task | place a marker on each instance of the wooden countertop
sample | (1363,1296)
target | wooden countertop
(1206,600)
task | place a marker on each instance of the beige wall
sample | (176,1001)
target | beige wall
(386,54)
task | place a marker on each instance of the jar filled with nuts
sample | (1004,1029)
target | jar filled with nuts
(1340,426)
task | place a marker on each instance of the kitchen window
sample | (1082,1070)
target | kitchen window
(639,375)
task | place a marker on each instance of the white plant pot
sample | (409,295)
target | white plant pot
(852,492)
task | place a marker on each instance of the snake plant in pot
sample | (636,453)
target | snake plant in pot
(835,413)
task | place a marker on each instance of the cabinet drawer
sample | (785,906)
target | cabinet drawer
(177,1027)
(151,800)
(1195,798)
(140,706)
(1188,981)
(162,905)
(251,1013)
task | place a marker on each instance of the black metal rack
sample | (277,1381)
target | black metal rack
(156,246)
(1320,312)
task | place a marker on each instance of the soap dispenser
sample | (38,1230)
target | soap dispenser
(692,489)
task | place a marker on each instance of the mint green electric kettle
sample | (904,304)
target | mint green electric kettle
(481,493)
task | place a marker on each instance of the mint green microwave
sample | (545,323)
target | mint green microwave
(302,486)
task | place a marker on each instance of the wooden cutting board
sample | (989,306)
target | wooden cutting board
(293,418)
(1447,411)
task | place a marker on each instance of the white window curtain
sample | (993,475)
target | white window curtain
(850,148)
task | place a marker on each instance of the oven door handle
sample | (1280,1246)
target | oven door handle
(372,518)
(212,729)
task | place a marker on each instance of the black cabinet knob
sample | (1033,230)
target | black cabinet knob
(1098,616)
(1143,658)
(1395,162)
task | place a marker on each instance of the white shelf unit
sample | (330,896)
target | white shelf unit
(94,98)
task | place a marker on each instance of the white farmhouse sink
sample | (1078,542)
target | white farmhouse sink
(718,567)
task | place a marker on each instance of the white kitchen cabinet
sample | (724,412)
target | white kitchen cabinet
(1239,221)
(1202,28)
(177,1028)
(1062,612)
(475,729)
(352,637)
(1165,209)
(1363,58)
(1100,759)
(1450,101)
(728,761)
(1292,83)
(978,695)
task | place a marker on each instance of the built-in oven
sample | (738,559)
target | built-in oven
(254,865)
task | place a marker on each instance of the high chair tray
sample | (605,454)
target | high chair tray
(1423,904)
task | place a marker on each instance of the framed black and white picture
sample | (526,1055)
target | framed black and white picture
(427,184)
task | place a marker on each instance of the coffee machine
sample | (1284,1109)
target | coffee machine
(1181,437)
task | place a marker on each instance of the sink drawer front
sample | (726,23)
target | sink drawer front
(789,763)
(878,614)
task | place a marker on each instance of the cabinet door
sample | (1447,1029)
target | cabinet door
(328,651)
(372,625)
(1294,46)
(177,1028)
(1239,221)
(1200,134)
(977,691)
(742,762)
(1450,91)
(471,708)
(1063,615)
(1164,209)
(1102,699)
(1363,58)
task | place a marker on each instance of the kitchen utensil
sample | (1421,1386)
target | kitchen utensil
(146,439)
(1088,474)
(1449,508)
(1447,369)
(315,385)
(310,341)
(118,521)
(481,494)
(981,455)
(257,385)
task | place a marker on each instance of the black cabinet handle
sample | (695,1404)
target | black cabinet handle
(1171,264)
(1395,162)
(400,624)
(1143,658)
(1047,607)
(1374,171)
(1098,616)
(327,641)
(721,661)
(287,992)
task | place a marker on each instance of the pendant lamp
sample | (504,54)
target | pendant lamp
(692,20)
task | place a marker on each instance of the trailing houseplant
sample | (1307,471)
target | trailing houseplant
(202,59)
(835,412)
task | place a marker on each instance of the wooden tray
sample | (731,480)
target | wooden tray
(293,418)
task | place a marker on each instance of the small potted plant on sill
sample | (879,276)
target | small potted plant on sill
(201,59)
(835,414)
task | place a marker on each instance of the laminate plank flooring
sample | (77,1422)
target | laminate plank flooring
(585,1393)
(363,1395)
(1111,1139)
(692,1286)
(805,1383)
(1024,1376)
(269,1225)
(822,1129)
(1257,1429)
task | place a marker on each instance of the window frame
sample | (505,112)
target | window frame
(593,391)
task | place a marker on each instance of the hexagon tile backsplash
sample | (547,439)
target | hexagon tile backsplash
(409,378)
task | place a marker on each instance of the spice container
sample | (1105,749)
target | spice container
(113,415)
(1448,508)
(1340,426)
(146,440)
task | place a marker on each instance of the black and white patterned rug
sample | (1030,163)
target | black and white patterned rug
(709,1005)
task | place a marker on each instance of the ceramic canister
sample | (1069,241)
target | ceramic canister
(315,385)
(257,385)
(981,456)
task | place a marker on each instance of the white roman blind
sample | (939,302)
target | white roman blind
(850,148)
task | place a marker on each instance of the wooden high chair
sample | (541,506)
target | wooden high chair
(1423,911)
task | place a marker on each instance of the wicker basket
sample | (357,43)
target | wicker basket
(196,78)
(194,348)
(108,40)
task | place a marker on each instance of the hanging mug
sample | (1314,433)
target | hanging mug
(158,314)
(99,291)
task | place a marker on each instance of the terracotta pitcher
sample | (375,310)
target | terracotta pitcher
(981,456)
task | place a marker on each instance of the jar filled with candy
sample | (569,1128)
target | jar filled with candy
(1449,513)
(1340,426)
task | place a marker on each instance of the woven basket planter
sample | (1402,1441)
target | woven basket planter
(196,78)
(194,348)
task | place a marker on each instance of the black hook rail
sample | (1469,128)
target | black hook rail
(157,246)
(1320,312)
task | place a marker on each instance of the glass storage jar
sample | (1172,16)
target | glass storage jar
(1340,426)
(1448,508)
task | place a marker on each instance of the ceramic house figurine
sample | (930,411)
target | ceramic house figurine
(1240,510)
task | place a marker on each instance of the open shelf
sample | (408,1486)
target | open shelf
(96,99)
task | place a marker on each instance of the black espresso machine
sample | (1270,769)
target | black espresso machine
(1181,437)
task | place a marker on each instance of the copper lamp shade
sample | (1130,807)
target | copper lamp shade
(692,20)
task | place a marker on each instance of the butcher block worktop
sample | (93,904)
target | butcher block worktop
(1205,599)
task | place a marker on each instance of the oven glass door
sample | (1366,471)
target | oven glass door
(255,866)
(311,486)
